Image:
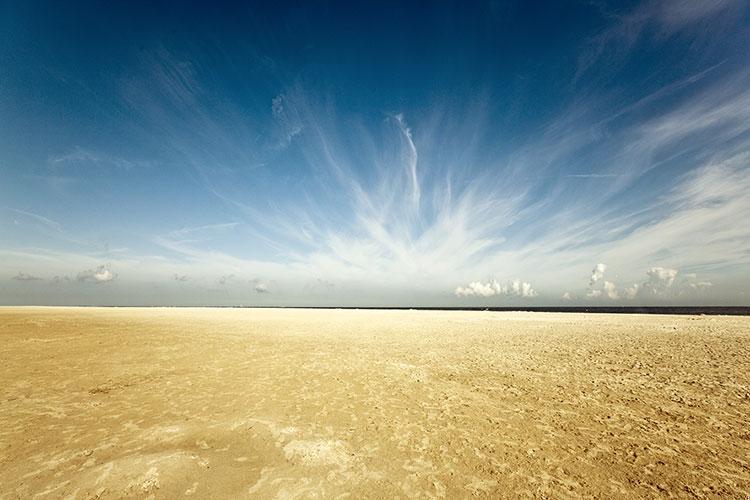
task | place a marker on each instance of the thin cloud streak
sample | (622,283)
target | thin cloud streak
(45,221)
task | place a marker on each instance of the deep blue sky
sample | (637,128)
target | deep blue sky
(386,154)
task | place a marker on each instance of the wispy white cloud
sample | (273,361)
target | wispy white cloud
(197,125)
(40,219)
(79,156)
(591,176)
(655,19)
(410,160)
(197,233)
(675,14)
(287,121)
(486,226)
(409,203)
(459,229)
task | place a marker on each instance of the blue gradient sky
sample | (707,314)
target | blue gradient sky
(316,153)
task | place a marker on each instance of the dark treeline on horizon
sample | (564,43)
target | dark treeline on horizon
(680,310)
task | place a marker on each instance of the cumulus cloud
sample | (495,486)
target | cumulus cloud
(21,276)
(515,288)
(567,296)
(610,290)
(607,288)
(660,281)
(101,274)
(631,292)
(597,273)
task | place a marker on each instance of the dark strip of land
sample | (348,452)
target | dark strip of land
(681,310)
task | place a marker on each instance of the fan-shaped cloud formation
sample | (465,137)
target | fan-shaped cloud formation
(298,174)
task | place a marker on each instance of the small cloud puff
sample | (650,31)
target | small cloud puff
(259,286)
(101,274)
(515,288)
(181,277)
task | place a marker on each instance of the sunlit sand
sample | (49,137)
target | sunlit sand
(270,403)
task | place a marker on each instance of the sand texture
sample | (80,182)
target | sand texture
(233,403)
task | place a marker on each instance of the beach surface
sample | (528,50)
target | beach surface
(293,403)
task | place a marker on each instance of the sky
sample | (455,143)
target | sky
(387,154)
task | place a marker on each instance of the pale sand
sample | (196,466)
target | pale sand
(228,403)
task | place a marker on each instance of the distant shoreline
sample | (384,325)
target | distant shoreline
(673,310)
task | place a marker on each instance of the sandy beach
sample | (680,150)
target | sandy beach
(272,403)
